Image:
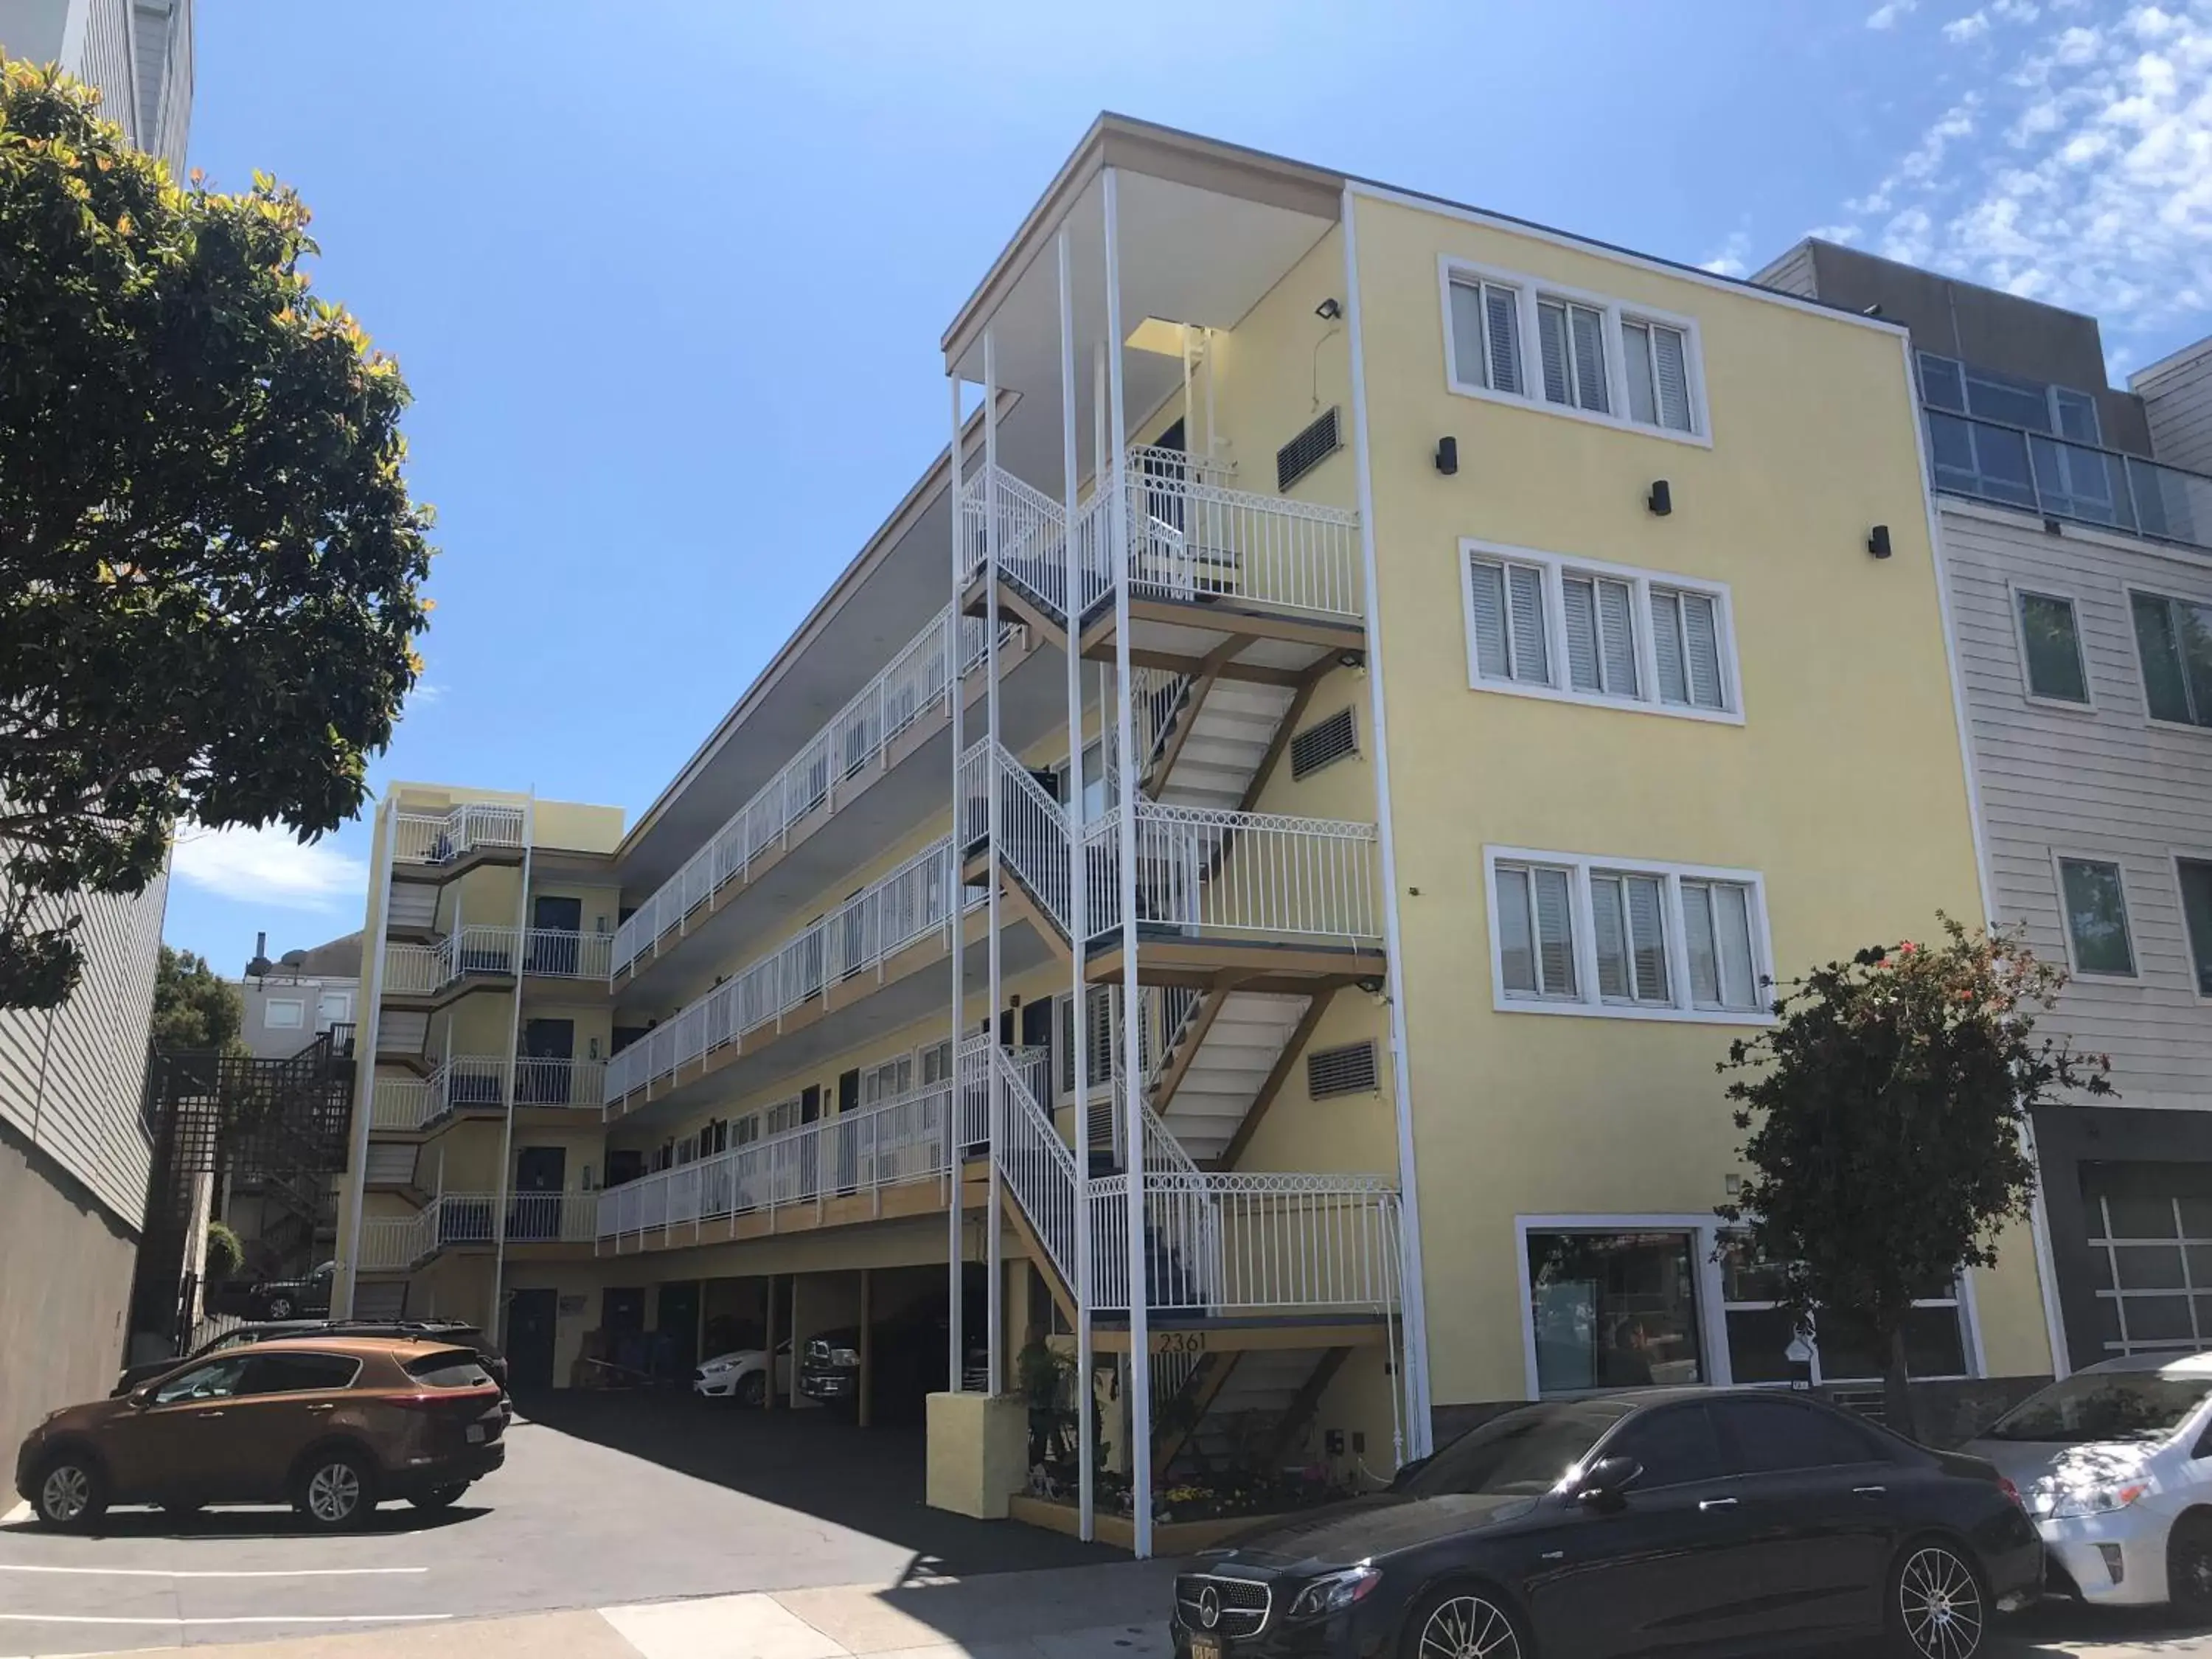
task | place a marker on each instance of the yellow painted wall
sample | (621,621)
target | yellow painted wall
(1845,785)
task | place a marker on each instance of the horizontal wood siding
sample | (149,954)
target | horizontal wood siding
(2177,397)
(70,1078)
(2104,782)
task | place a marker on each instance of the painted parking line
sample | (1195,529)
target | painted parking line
(218,1572)
(243,1619)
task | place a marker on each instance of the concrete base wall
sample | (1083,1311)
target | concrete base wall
(978,1452)
(65,1264)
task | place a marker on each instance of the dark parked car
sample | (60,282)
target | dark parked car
(304,1298)
(332,1425)
(906,1363)
(450,1332)
(1702,1521)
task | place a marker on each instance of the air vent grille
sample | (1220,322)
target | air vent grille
(1322,742)
(1349,1069)
(1308,450)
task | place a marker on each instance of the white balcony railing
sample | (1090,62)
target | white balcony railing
(1190,536)
(910,686)
(391,1242)
(404,1103)
(899,1141)
(441,837)
(426,969)
(897,910)
(1220,873)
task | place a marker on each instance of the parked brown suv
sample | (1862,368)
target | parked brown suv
(332,1425)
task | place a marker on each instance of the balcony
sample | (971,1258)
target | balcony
(876,769)
(869,948)
(471,1220)
(1292,893)
(2056,478)
(887,1159)
(478,957)
(408,1105)
(440,846)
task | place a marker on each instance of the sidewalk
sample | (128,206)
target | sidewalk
(1113,1612)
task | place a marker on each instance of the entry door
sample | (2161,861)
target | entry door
(530,1329)
(557,925)
(548,1046)
(675,1335)
(540,1173)
(623,1308)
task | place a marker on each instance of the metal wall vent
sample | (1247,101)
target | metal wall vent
(1308,450)
(1324,741)
(1347,1071)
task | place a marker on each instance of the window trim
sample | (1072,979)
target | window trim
(1555,568)
(2060,856)
(2129,591)
(1712,1327)
(297,1005)
(2174,855)
(1588,1004)
(1961,1301)
(1530,289)
(2014,592)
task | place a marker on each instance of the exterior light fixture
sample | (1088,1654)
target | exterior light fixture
(1448,456)
(1329,311)
(1878,541)
(1661,501)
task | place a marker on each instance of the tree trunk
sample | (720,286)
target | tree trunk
(1896,1393)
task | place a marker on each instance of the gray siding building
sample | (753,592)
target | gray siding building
(2075,522)
(73,1153)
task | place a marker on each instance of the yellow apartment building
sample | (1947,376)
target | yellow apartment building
(1368,693)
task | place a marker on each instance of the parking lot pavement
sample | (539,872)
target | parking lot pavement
(604,1502)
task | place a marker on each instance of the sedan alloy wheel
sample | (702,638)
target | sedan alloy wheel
(65,1493)
(1467,1626)
(1940,1604)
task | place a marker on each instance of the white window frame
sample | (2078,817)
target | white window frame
(2059,857)
(1556,568)
(1712,1322)
(1530,289)
(2174,855)
(2166,595)
(2014,592)
(298,1009)
(1587,1002)
(339,1015)
(1961,1301)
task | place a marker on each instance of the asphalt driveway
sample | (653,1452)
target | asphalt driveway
(604,1499)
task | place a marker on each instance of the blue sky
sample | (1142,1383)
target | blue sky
(667,279)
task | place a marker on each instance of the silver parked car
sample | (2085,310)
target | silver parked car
(2115,1467)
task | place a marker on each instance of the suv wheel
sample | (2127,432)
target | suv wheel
(71,1492)
(337,1491)
(279,1306)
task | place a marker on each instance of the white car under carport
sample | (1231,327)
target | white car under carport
(741,1375)
(2114,1465)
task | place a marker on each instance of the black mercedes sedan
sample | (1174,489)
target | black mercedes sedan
(1711,1521)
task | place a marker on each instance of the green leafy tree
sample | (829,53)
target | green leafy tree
(1888,1109)
(194,1007)
(208,557)
(225,1255)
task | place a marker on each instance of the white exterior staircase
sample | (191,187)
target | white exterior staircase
(1232,727)
(1235,1055)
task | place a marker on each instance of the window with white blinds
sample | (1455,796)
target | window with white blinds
(1545,625)
(1513,336)
(1629,938)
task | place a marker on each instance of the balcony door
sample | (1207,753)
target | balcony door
(540,1173)
(548,1046)
(556,925)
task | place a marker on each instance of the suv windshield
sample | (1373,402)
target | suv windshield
(1522,1452)
(2104,1406)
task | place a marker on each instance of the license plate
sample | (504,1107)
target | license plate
(476,1432)
(1204,1645)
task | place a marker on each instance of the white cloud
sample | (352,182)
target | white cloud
(1844,233)
(1885,16)
(267,866)
(1971,26)
(425,693)
(2098,197)
(1730,260)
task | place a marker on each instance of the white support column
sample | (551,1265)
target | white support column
(1413,1285)
(1078,1024)
(994,1266)
(1129,1104)
(364,1070)
(495,1325)
(956,690)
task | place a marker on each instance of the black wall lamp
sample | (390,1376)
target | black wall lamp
(1661,501)
(1878,541)
(1448,456)
(1329,311)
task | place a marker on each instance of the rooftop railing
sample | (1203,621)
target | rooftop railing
(2056,478)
